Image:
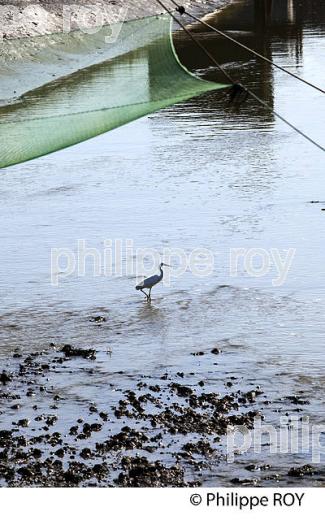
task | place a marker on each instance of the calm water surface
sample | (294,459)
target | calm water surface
(196,175)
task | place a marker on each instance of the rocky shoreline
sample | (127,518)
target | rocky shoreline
(27,18)
(166,430)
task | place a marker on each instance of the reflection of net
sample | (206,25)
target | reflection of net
(99,97)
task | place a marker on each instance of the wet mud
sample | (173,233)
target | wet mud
(162,431)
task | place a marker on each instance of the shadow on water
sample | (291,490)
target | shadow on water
(264,26)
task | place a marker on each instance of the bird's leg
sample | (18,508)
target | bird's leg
(144,293)
(149,297)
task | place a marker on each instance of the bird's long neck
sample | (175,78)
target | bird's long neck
(161,273)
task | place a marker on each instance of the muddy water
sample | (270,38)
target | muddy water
(196,175)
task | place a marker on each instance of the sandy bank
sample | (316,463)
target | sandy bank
(34,17)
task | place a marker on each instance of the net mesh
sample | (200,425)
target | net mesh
(139,75)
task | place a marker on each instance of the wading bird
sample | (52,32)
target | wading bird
(149,283)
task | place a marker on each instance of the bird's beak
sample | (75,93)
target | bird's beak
(167,265)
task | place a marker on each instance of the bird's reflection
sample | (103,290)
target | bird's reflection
(150,312)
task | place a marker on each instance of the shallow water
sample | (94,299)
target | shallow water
(197,175)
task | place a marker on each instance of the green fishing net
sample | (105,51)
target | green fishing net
(79,85)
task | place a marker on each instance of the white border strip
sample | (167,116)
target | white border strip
(85,504)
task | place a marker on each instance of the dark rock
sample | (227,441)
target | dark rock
(51,420)
(95,427)
(200,448)
(244,482)
(97,319)
(25,472)
(70,351)
(302,471)
(23,423)
(72,478)
(155,388)
(36,453)
(297,400)
(5,377)
(60,453)
(139,472)
(182,391)
(5,438)
(86,453)
(100,470)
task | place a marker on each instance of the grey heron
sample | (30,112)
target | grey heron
(149,283)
